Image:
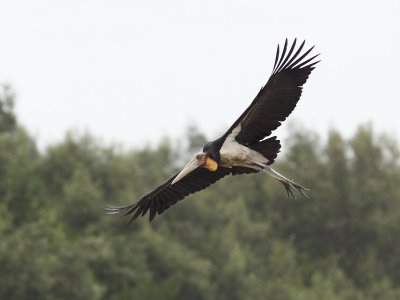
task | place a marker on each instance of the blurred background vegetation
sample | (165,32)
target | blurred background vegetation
(240,239)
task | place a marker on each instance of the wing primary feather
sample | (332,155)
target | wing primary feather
(307,61)
(131,209)
(288,56)
(112,210)
(283,54)
(146,206)
(276,58)
(294,56)
(293,65)
(137,213)
(163,199)
(153,209)
(169,193)
(161,207)
(311,66)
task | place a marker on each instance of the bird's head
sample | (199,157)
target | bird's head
(208,159)
(212,151)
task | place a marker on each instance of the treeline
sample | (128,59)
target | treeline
(240,239)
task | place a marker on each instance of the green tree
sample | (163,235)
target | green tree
(8,120)
(239,239)
(82,199)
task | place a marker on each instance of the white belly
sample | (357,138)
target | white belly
(234,154)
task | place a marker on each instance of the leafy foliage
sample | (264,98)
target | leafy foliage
(240,239)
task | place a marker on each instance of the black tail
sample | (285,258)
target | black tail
(269,148)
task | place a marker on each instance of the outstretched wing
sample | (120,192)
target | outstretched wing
(277,99)
(165,195)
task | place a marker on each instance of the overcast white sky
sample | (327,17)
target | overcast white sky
(134,71)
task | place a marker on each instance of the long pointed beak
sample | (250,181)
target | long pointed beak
(190,166)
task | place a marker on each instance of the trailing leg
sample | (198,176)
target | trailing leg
(289,185)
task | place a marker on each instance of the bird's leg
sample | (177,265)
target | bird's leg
(289,185)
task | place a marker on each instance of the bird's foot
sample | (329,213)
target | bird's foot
(290,186)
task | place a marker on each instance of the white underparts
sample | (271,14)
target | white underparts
(234,154)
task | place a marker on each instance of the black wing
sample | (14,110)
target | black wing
(277,99)
(165,195)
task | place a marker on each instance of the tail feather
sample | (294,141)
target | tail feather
(269,148)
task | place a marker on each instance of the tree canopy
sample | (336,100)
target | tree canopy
(239,239)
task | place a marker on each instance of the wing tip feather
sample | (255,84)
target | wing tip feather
(290,61)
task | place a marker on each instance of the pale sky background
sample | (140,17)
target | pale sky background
(135,71)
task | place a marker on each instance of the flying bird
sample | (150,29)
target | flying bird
(245,147)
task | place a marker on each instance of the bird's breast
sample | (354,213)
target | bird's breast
(233,154)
